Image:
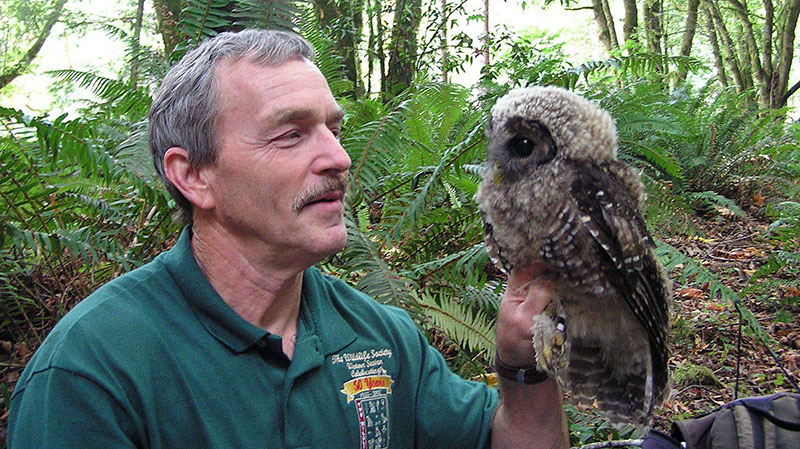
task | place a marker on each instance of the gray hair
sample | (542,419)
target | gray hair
(185,108)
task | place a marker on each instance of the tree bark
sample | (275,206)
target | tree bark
(612,30)
(630,24)
(689,30)
(727,45)
(780,94)
(752,53)
(766,49)
(722,76)
(380,44)
(403,52)
(342,21)
(652,23)
(137,32)
(19,68)
(167,14)
(602,24)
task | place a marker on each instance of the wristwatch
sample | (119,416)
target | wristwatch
(525,375)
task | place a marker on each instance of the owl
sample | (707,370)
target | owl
(554,193)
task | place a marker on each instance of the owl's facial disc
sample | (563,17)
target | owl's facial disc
(532,140)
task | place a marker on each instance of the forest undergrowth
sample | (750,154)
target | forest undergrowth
(704,332)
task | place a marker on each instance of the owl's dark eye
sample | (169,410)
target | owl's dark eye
(520,146)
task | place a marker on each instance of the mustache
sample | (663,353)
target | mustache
(337,183)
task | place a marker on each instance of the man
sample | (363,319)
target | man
(230,339)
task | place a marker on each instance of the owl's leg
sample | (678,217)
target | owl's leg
(549,335)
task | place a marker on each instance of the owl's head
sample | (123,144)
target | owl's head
(533,126)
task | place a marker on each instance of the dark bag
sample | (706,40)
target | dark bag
(763,422)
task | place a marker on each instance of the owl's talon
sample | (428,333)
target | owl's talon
(548,342)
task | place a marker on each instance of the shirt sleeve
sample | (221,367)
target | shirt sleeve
(58,408)
(451,411)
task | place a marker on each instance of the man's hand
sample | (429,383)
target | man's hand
(529,416)
(528,293)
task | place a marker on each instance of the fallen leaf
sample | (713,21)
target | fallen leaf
(790,290)
(690,293)
(715,306)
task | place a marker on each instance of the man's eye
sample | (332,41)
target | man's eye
(336,132)
(288,137)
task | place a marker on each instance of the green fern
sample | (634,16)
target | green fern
(473,331)
(695,274)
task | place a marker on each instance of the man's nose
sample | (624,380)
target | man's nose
(334,157)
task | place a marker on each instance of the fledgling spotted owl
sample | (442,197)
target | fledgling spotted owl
(554,192)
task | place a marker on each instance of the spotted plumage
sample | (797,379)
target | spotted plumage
(554,192)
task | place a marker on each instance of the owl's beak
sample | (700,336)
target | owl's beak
(497,175)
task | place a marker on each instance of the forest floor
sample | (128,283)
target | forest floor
(704,331)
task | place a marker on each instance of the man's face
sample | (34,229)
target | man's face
(279,181)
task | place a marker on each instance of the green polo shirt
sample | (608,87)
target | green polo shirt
(156,359)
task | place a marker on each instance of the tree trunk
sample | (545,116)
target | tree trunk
(752,54)
(352,60)
(689,30)
(602,24)
(380,43)
(445,54)
(612,31)
(766,48)
(403,53)
(631,22)
(722,76)
(486,57)
(19,68)
(745,59)
(342,21)
(167,14)
(727,45)
(780,95)
(371,50)
(137,32)
(652,23)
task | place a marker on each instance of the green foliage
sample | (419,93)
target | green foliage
(693,273)
(415,237)
(688,373)
(201,19)
(527,59)
(727,146)
(640,65)
(117,98)
(72,214)
(469,327)
(587,425)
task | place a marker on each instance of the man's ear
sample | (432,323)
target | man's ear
(188,180)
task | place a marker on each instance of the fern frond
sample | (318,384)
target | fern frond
(695,274)
(363,261)
(473,331)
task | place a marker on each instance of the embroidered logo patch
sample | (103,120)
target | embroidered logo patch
(369,389)
(354,387)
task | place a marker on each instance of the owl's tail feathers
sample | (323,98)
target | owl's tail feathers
(627,397)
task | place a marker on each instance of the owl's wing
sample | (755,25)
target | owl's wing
(492,248)
(610,213)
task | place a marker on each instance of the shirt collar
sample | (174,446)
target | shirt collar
(319,314)
(213,313)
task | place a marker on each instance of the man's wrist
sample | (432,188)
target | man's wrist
(524,375)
